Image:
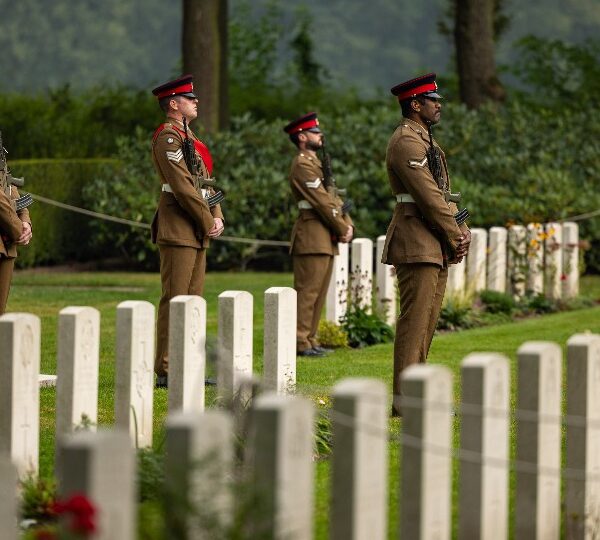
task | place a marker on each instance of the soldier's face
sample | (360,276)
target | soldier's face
(430,110)
(188,107)
(314,141)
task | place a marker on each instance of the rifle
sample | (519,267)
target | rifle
(434,162)
(329,180)
(191,160)
(7,180)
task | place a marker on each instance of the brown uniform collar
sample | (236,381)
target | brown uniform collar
(417,128)
(306,155)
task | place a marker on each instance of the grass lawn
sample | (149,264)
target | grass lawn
(45,294)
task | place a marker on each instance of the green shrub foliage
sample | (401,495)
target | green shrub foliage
(59,235)
(528,160)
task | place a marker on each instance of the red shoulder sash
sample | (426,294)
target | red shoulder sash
(200,147)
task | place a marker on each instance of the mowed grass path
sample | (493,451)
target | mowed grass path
(45,294)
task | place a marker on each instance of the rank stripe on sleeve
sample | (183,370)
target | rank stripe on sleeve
(414,163)
(175,156)
(314,185)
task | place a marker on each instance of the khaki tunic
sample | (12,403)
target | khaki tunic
(180,227)
(313,244)
(11,227)
(420,241)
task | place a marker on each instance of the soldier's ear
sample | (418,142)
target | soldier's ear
(416,106)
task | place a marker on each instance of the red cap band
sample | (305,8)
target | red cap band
(304,125)
(183,89)
(429,87)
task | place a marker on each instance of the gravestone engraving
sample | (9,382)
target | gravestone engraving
(553,270)
(337,293)
(279,339)
(235,341)
(517,260)
(187,353)
(496,269)
(134,376)
(535,258)
(570,284)
(361,279)
(477,260)
(77,368)
(19,390)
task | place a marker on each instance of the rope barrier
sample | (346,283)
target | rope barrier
(257,241)
(140,225)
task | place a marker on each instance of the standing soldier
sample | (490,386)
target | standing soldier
(188,213)
(426,232)
(321,224)
(15,225)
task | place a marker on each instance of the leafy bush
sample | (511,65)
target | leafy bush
(365,328)
(332,335)
(497,302)
(455,315)
(59,235)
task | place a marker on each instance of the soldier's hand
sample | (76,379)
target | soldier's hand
(217,228)
(26,235)
(348,236)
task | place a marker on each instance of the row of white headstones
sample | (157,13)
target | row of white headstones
(77,371)
(537,258)
(278,454)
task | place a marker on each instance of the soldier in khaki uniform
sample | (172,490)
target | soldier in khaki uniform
(423,236)
(321,224)
(184,222)
(15,228)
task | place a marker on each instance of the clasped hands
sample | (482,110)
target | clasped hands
(217,228)
(462,248)
(348,236)
(26,235)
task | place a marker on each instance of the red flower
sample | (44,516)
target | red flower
(82,513)
(563,277)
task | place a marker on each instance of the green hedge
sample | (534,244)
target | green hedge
(59,235)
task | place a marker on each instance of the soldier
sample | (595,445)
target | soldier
(424,235)
(15,227)
(187,216)
(321,224)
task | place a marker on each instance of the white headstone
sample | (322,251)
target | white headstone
(187,353)
(281,468)
(456,278)
(198,472)
(279,339)
(101,466)
(77,369)
(517,260)
(47,381)
(553,271)
(386,285)
(235,341)
(570,232)
(483,494)
(496,269)
(8,496)
(582,480)
(361,269)
(535,258)
(134,376)
(426,483)
(537,513)
(477,260)
(359,464)
(19,390)
(337,293)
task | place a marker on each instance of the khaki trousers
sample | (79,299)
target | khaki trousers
(311,281)
(422,287)
(182,271)
(6,271)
